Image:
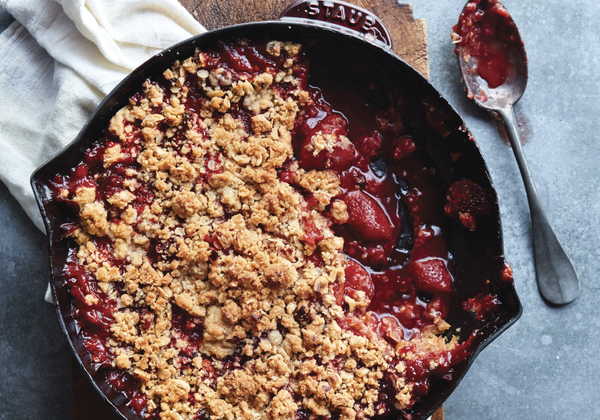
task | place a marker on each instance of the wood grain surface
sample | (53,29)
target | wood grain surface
(409,37)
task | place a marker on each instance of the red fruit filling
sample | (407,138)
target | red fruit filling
(367,217)
(466,200)
(213,269)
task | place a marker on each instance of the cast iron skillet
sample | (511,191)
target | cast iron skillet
(376,72)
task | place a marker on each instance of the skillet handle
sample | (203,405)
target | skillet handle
(341,16)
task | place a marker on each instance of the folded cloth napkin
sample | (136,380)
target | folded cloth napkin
(58,60)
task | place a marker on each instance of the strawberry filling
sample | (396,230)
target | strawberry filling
(388,209)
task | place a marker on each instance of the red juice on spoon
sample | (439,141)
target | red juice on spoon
(486,32)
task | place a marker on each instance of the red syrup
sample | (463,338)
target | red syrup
(487,33)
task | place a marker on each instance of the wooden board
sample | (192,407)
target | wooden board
(409,37)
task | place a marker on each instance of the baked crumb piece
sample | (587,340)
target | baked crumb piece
(93,219)
(282,406)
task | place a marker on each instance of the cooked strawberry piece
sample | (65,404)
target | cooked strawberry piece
(138,402)
(436,308)
(210,372)
(391,329)
(258,60)
(311,116)
(309,160)
(338,290)
(317,260)
(432,275)
(369,145)
(311,201)
(466,196)
(368,217)
(312,234)
(342,156)
(358,280)
(236,58)
(404,147)
(288,176)
(418,372)
(326,146)
(465,201)
(98,350)
(409,313)
(332,124)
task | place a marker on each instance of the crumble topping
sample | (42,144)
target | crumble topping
(222,275)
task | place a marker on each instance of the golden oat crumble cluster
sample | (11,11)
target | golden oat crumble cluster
(221,308)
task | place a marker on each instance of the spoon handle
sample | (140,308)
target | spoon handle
(556,277)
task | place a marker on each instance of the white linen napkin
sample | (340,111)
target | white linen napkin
(58,60)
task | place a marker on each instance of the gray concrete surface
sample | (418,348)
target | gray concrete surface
(546,366)
(34,355)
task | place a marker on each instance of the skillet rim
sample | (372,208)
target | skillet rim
(111,103)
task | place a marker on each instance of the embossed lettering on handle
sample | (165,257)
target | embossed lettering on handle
(342,14)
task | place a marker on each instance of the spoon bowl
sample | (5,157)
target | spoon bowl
(491,55)
(493,63)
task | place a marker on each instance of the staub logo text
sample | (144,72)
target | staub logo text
(340,13)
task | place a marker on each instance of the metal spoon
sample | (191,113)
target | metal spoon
(493,63)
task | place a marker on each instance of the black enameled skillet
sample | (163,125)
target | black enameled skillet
(372,69)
